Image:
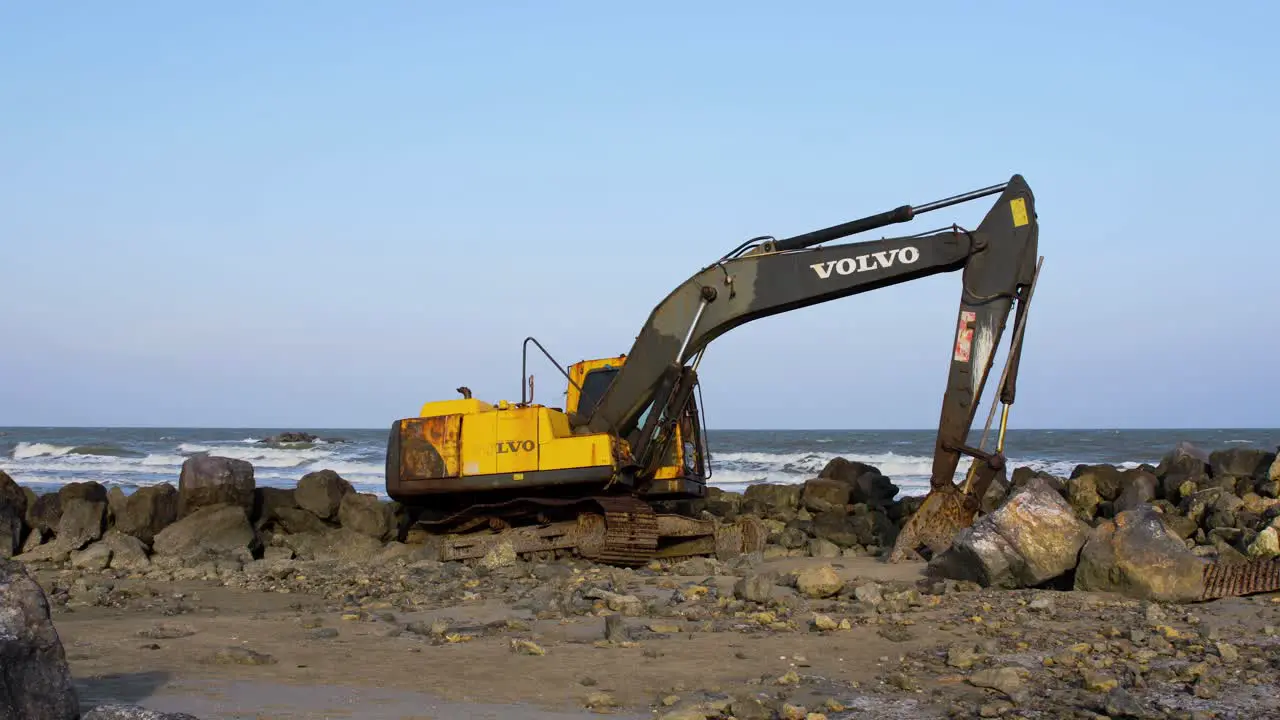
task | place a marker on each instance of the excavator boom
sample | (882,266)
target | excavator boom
(999,263)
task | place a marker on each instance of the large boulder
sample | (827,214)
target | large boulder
(82,522)
(213,480)
(297,520)
(35,681)
(1033,538)
(1141,488)
(13,513)
(321,492)
(148,511)
(366,514)
(866,483)
(215,529)
(774,497)
(43,514)
(1185,463)
(821,494)
(1137,554)
(90,490)
(1241,462)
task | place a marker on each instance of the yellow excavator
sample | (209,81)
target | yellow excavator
(591,478)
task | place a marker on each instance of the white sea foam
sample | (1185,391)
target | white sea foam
(362,464)
(24,450)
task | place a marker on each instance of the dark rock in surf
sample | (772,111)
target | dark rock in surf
(321,492)
(289,438)
(208,480)
(13,512)
(1023,475)
(866,483)
(1241,462)
(35,681)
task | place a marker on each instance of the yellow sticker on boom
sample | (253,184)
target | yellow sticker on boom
(1019,207)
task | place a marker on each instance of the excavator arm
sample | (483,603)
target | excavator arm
(999,264)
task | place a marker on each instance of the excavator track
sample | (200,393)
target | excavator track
(1241,578)
(626,535)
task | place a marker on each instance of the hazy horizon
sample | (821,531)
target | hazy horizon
(977,427)
(284,216)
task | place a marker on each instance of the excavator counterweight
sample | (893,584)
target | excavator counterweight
(586,478)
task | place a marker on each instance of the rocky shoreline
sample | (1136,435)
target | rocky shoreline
(1082,596)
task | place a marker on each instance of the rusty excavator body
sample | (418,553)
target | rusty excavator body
(592,478)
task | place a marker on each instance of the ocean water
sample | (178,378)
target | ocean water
(45,458)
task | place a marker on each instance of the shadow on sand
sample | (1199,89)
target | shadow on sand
(124,688)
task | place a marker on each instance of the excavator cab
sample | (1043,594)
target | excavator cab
(679,467)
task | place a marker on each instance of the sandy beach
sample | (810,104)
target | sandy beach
(224,652)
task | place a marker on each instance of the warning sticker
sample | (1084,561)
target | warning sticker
(964,336)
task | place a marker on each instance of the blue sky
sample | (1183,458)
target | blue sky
(323,214)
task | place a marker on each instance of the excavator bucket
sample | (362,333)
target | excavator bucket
(945,511)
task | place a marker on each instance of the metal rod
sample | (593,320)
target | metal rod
(689,335)
(900,214)
(524,370)
(1004,424)
(961,198)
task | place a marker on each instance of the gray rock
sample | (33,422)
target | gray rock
(866,483)
(208,480)
(132,712)
(127,552)
(1082,493)
(13,513)
(1138,555)
(91,490)
(94,557)
(82,522)
(35,681)
(775,496)
(755,588)
(1033,538)
(342,544)
(44,513)
(222,529)
(822,494)
(1241,462)
(267,503)
(148,511)
(298,520)
(1139,489)
(366,514)
(321,492)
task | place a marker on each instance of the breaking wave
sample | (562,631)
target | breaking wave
(158,457)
